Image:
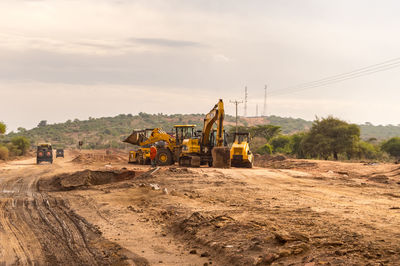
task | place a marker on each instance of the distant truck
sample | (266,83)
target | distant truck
(59,153)
(44,153)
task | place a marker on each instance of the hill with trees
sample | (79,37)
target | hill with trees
(108,132)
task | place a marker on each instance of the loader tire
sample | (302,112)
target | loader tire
(164,157)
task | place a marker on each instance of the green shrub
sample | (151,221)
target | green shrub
(392,146)
(295,144)
(3,153)
(2,128)
(281,144)
(265,149)
(13,150)
(21,143)
(366,150)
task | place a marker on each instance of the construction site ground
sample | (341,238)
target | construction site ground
(91,208)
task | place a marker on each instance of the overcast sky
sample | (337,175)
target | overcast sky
(66,59)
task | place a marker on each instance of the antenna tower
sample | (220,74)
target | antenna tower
(245,101)
(265,101)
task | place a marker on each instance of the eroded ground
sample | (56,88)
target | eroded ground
(97,210)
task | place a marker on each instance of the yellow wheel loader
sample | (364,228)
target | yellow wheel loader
(207,147)
(142,154)
(167,145)
(241,156)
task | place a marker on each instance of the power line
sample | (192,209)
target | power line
(333,82)
(339,79)
(389,64)
(395,60)
(236,102)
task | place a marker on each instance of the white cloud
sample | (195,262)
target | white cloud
(201,47)
(221,58)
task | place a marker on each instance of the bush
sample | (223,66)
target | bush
(392,146)
(3,153)
(367,150)
(13,150)
(281,144)
(2,128)
(21,143)
(295,145)
(266,149)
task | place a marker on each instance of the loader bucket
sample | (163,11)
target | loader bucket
(135,138)
(221,157)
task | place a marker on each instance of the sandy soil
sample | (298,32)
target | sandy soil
(100,210)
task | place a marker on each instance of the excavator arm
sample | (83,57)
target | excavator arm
(216,115)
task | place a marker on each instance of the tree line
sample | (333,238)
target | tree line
(328,138)
(16,146)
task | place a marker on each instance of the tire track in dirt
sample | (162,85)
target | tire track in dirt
(37,228)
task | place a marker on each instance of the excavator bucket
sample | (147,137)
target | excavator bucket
(135,138)
(221,157)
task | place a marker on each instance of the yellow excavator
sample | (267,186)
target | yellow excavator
(208,147)
(168,145)
(241,156)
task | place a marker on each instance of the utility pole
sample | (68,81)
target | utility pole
(236,102)
(257,110)
(265,101)
(245,101)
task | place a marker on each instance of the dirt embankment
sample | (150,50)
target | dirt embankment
(281,162)
(90,158)
(84,179)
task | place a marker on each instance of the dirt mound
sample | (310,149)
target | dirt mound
(176,170)
(379,179)
(225,237)
(83,179)
(281,162)
(88,158)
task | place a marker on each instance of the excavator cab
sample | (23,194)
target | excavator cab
(241,156)
(184,132)
(213,139)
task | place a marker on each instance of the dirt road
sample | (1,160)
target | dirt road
(36,228)
(95,212)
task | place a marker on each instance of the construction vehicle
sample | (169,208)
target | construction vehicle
(142,154)
(44,153)
(132,156)
(241,156)
(208,147)
(60,153)
(168,146)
